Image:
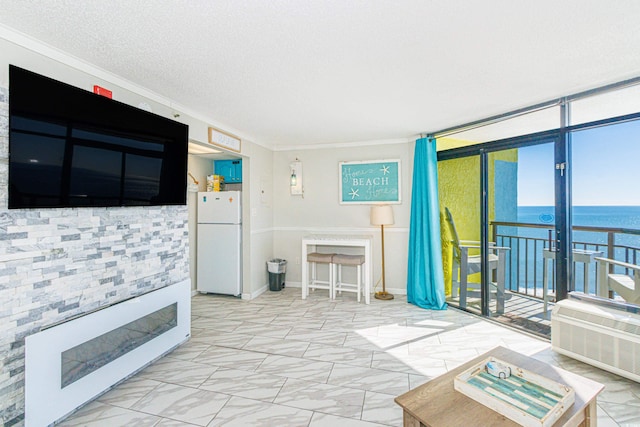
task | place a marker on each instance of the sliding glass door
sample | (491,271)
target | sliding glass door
(499,206)
(521,227)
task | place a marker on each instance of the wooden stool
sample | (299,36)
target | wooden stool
(313,259)
(351,260)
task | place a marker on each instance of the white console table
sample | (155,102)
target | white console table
(311,242)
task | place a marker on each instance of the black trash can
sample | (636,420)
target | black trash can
(277,269)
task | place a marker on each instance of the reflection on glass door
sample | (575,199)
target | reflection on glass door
(521,229)
(605,205)
(459,191)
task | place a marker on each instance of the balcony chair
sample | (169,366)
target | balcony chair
(584,256)
(626,286)
(465,264)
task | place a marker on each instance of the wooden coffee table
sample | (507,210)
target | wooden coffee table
(437,404)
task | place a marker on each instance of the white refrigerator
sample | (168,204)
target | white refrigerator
(219,247)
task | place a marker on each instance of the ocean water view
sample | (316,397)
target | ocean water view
(600,216)
(524,270)
(627,217)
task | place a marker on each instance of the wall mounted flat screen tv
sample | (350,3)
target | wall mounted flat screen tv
(69,147)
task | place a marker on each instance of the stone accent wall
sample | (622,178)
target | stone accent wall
(59,263)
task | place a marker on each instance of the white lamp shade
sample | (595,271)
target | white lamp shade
(381,215)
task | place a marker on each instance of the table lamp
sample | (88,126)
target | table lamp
(382,215)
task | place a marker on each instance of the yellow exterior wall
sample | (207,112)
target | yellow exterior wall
(449,143)
(459,190)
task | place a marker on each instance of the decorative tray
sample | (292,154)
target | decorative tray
(524,397)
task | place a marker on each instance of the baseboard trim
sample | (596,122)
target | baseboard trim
(253,295)
(396,291)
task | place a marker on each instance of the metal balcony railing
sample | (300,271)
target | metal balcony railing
(524,270)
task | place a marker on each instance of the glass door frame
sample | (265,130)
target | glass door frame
(562,189)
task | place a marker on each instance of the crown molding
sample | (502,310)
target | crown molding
(55,54)
(341,230)
(301,147)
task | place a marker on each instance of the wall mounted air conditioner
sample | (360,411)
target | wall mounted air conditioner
(605,337)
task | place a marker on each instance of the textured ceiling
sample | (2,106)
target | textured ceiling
(294,72)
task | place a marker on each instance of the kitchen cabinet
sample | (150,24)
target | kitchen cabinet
(231,170)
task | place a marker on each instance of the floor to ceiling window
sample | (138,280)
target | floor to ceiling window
(537,210)
(605,207)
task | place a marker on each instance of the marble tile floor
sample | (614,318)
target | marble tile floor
(279,360)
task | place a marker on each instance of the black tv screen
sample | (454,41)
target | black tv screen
(69,147)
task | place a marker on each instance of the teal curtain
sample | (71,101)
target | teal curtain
(425,277)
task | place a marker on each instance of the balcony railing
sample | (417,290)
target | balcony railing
(524,269)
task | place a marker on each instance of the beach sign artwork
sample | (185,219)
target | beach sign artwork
(376,181)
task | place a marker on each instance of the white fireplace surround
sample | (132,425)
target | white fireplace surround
(46,401)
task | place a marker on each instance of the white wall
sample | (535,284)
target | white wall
(258,218)
(273,220)
(319,211)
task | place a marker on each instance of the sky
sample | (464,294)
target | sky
(606,168)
